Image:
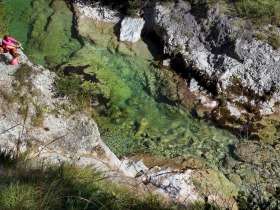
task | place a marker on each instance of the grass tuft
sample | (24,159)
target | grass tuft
(25,186)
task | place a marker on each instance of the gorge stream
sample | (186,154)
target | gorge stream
(133,106)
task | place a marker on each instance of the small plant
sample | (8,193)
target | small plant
(274,40)
(261,36)
(39,116)
(22,76)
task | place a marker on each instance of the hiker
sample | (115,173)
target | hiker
(15,60)
(10,44)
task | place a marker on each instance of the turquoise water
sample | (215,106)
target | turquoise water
(138,118)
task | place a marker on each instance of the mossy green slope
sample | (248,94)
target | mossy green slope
(50,42)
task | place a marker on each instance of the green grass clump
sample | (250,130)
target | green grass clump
(73,87)
(39,116)
(274,40)
(19,196)
(22,76)
(260,11)
(23,186)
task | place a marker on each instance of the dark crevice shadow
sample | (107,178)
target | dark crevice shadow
(154,44)
(79,70)
(117,29)
(178,64)
(74,31)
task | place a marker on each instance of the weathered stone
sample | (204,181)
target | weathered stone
(217,49)
(97,12)
(60,136)
(133,168)
(131,29)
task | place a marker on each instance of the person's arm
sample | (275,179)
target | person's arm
(7,43)
(14,40)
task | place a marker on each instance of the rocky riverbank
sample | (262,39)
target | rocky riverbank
(108,64)
(225,73)
(233,77)
(35,121)
(218,54)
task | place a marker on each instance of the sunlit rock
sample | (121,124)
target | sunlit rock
(222,54)
(131,29)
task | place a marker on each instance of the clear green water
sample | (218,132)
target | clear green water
(18,23)
(45,29)
(138,118)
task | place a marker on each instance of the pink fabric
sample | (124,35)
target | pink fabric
(15,62)
(10,41)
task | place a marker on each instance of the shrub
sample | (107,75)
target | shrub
(274,40)
(22,76)
(255,200)
(260,11)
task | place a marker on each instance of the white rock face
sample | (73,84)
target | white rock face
(97,12)
(220,52)
(133,168)
(173,184)
(131,29)
(60,137)
(233,111)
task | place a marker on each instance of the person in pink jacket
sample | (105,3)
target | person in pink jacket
(10,44)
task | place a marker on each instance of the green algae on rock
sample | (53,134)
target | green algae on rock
(18,21)
(50,42)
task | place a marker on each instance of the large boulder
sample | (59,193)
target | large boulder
(131,29)
(97,11)
(33,119)
(225,59)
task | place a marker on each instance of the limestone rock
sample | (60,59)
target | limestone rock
(53,134)
(133,168)
(228,60)
(131,29)
(96,11)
